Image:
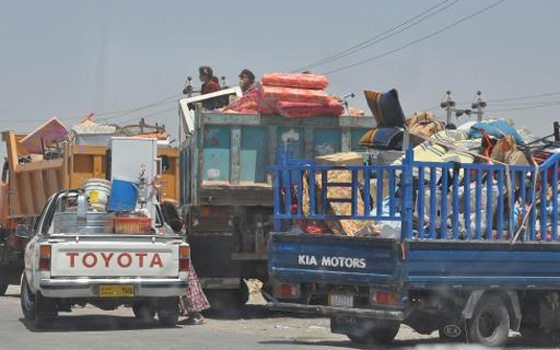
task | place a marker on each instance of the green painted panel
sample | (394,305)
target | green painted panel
(294,137)
(254,153)
(326,141)
(217,143)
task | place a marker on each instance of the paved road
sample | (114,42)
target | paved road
(89,328)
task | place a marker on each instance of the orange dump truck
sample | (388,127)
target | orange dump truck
(28,180)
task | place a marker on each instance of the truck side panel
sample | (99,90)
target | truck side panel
(230,152)
(471,265)
(334,260)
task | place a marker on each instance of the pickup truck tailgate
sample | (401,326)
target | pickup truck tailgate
(333,259)
(142,258)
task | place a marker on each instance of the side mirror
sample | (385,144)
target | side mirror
(23,231)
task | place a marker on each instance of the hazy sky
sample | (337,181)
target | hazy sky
(67,58)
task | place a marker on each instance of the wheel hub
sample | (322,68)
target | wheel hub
(488,325)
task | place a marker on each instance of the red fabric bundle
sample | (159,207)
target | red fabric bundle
(305,109)
(287,94)
(252,103)
(295,80)
(301,95)
(247,104)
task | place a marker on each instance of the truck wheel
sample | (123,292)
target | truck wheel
(490,323)
(378,335)
(3,289)
(168,311)
(27,300)
(36,307)
(144,312)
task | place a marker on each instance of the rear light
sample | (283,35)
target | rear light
(45,257)
(383,298)
(184,258)
(286,290)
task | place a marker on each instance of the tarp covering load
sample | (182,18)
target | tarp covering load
(290,95)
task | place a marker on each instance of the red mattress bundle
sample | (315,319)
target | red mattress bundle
(296,80)
(290,95)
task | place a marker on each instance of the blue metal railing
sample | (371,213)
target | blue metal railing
(448,201)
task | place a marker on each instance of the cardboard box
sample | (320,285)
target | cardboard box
(343,158)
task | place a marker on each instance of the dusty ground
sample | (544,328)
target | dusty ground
(297,328)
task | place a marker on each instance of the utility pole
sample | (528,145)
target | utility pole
(479,106)
(449,106)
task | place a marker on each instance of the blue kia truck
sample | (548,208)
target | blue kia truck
(469,250)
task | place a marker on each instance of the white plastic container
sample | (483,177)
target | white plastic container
(98,191)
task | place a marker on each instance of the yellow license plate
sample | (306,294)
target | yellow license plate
(116,290)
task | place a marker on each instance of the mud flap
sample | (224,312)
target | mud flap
(347,324)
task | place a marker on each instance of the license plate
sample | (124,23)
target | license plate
(116,290)
(344,300)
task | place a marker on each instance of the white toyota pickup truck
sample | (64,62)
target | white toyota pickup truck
(70,260)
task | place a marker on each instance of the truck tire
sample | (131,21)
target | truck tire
(378,335)
(3,289)
(36,307)
(489,325)
(27,301)
(168,311)
(144,312)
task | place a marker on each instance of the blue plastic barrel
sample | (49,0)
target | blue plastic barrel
(124,195)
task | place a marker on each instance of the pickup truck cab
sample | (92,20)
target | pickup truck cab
(71,260)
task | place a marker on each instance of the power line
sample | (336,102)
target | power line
(454,24)
(127,114)
(543,105)
(525,97)
(116,114)
(382,36)
(149,115)
(521,104)
(107,115)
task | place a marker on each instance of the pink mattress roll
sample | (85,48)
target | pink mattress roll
(285,94)
(295,80)
(299,109)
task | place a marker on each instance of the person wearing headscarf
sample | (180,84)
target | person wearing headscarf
(246,80)
(206,75)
